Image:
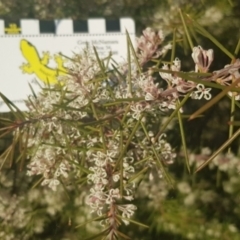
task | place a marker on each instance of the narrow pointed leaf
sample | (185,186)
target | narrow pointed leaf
(225,145)
(210,37)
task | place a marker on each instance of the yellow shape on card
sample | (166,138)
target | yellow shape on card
(13,29)
(39,65)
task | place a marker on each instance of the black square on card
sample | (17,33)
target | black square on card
(47,26)
(80,26)
(113,25)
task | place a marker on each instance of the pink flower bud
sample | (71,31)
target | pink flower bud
(202,58)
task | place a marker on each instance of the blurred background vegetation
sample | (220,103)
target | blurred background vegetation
(202,206)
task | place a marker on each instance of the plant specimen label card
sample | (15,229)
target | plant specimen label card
(35,51)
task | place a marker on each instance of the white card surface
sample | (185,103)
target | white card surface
(23,43)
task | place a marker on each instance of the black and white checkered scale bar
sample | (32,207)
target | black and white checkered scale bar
(90,26)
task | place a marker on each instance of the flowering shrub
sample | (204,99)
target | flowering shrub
(98,136)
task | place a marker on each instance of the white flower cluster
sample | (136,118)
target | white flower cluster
(149,43)
(6,213)
(202,59)
(88,127)
(25,214)
(104,180)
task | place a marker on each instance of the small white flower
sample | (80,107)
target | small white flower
(52,183)
(164,75)
(235,95)
(113,195)
(176,65)
(202,92)
(127,211)
(149,97)
(116,177)
(61,170)
(137,110)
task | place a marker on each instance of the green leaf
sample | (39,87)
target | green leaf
(225,145)
(132,221)
(6,156)
(13,108)
(183,140)
(130,45)
(101,234)
(186,30)
(162,169)
(92,220)
(205,33)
